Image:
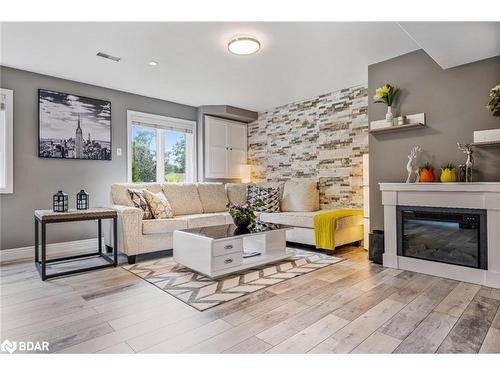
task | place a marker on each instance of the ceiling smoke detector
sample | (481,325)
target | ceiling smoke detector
(243,45)
(109,57)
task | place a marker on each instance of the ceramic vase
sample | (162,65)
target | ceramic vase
(242,222)
(427,175)
(448,175)
(389,116)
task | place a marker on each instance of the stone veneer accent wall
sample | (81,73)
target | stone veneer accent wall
(322,138)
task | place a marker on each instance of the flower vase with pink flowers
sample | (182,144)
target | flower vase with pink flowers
(243,215)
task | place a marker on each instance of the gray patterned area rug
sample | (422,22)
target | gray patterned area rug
(202,293)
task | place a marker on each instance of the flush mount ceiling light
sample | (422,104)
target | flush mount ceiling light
(243,45)
(153,63)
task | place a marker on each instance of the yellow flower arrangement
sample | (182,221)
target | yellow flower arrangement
(385,94)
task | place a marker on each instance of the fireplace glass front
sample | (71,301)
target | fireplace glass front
(447,235)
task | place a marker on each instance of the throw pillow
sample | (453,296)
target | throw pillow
(299,196)
(121,196)
(159,205)
(137,196)
(273,184)
(270,198)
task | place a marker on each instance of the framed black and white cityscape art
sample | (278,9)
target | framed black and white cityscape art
(73,127)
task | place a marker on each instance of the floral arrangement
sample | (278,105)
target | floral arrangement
(386,94)
(494,103)
(241,211)
(243,215)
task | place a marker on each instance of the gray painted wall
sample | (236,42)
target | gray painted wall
(36,179)
(454,102)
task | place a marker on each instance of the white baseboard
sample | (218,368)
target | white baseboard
(54,249)
(449,271)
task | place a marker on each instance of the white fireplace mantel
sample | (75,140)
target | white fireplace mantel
(478,195)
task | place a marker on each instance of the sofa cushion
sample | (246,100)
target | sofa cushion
(294,219)
(203,220)
(299,196)
(306,219)
(213,196)
(236,193)
(270,198)
(121,197)
(158,204)
(160,226)
(139,201)
(183,198)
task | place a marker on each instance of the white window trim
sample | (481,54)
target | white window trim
(9,142)
(158,121)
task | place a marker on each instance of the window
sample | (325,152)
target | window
(160,149)
(6,141)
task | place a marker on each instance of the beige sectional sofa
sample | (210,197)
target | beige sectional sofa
(204,204)
(299,204)
(194,205)
(348,229)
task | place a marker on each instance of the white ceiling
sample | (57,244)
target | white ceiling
(297,60)
(452,44)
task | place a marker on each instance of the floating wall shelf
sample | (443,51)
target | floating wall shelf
(487,144)
(397,128)
(489,137)
(414,122)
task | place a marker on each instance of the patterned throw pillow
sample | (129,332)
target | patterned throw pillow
(159,205)
(270,198)
(137,196)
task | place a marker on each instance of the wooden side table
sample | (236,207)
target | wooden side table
(44,217)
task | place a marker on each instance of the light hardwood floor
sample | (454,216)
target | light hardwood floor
(350,307)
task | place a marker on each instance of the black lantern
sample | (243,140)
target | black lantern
(82,200)
(60,202)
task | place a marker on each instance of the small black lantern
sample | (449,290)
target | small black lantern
(82,200)
(60,201)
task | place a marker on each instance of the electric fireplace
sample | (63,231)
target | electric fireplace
(446,235)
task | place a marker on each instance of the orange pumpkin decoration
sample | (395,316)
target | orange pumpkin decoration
(427,174)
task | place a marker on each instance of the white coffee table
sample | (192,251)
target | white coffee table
(222,249)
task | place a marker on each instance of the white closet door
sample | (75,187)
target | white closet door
(237,137)
(216,149)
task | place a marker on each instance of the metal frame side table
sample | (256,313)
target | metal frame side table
(44,217)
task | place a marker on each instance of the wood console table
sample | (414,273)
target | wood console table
(44,217)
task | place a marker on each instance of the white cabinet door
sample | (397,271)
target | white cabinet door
(237,137)
(225,147)
(216,149)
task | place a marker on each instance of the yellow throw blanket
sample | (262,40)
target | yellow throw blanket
(325,224)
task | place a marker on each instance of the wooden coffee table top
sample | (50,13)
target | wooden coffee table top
(74,215)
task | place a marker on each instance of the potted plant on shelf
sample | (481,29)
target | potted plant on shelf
(386,94)
(494,103)
(427,173)
(243,215)
(448,173)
